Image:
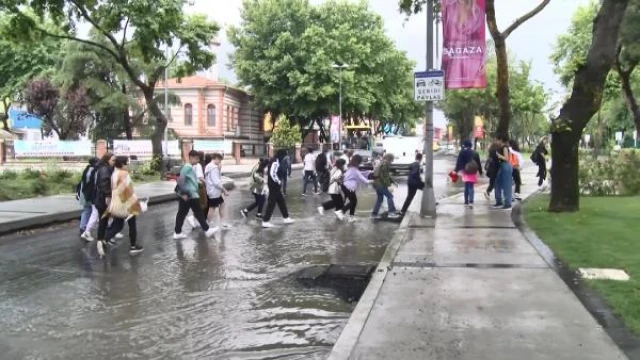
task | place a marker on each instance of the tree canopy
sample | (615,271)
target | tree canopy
(286,51)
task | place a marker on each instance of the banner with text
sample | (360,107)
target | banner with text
(143,148)
(464,45)
(214,146)
(52,148)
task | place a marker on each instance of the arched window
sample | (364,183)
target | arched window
(188,114)
(211,115)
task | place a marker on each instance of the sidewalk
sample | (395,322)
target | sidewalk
(29,213)
(469,286)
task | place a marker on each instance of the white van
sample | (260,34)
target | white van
(404,151)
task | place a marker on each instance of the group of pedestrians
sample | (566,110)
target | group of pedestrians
(502,168)
(107,195)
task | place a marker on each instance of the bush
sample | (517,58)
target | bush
(8,175)
(30,173)
(618,175)
(61,175)
(40,187)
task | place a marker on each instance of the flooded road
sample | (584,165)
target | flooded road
(232,297)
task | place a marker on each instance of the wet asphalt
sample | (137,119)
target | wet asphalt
(229,297)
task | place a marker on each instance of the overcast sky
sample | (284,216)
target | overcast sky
(532,41)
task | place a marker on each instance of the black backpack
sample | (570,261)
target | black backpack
(535,157)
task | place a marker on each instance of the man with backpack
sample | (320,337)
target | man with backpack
(322,170)
(469,163)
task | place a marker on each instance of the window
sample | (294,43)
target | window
(229,120)
(211,115)
(188,114)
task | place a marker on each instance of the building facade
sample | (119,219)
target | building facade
(211,110)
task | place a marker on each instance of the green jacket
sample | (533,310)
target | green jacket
(191,181)
(382,176)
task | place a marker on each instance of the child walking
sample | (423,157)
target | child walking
(350,181)
(215,189)
(258,189)
(469,163)
(335,190)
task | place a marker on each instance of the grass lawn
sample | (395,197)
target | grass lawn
(605,233)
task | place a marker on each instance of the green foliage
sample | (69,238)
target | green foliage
(8,175)
(30,173)
(285,136)
(285,50)
(617,175)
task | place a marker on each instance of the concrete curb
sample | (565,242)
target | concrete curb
(351,333)
(66,216)
(619,333)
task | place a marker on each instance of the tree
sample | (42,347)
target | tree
(135,34)
(65,114)
(500,46)
(628,57)
(285,50)
(584,102)
(285,136)
(20,62)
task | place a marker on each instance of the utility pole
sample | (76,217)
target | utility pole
(428,206)
(340,67)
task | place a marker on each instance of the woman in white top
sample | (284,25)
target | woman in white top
(335,190)
(202,190)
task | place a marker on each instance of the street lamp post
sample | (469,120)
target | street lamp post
(340,67)
(166,104)
(428,205)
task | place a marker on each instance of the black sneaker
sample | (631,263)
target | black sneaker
(136,249)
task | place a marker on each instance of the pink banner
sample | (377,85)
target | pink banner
(463,55)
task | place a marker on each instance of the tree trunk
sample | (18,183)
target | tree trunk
(5,122)
(128,128)
(161,124)
(632,103)
(585,101)
(502,87)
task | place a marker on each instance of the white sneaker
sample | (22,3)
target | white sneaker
(320,210)
(119,236)
(211,231)
(288,220)
(192,221)
(100,247)
(226,226)
(87,236)
(339,215)
(267,225)
(352,219)
(179,236)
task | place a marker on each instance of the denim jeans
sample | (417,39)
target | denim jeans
(504,181)
(469,192)
(381,193)
(309,177)
(84,218)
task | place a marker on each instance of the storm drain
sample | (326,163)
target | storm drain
(348,281)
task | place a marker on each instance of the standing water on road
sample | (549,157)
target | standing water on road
(186,299)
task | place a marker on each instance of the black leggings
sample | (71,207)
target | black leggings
(352,201)
(336,202)
(118,224)
(542,172)
(183,210)
(259,200)
(517,180)
(103,221)
(492,184)
(275,197)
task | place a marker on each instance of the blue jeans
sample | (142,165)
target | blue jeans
(504,182)
(84,218)
(381,193)
(469,192)
(309,177)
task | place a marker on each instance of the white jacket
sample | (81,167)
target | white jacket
(213,181)
(334,182)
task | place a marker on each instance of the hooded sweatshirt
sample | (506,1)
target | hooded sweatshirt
(213,179)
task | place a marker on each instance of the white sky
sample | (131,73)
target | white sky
(533,41)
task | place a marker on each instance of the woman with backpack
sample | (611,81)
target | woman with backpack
(382,181)
(504,179)
(335,191)
(85,192)
(469,164)
(539,157)
(258,189)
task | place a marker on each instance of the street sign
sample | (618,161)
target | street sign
(429,85)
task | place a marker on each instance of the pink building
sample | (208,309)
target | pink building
(211,110)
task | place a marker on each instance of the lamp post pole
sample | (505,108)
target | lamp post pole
(166,104)
(340,67)
(428,205)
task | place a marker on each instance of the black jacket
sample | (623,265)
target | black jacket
(414,179)
(103,184)
(88,182)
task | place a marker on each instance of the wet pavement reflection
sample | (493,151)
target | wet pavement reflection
(232,297)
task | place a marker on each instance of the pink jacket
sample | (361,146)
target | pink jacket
(472,178)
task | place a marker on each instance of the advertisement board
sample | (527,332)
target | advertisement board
(52,148)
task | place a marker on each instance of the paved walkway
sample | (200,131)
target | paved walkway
(469,286)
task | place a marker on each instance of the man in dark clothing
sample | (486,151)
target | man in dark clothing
(539,157)
(491,167)
(274,184)
(85,192)
(103,193)
(414,183)
(285,173)
(322,170)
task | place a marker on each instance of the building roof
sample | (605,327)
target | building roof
(196,82)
